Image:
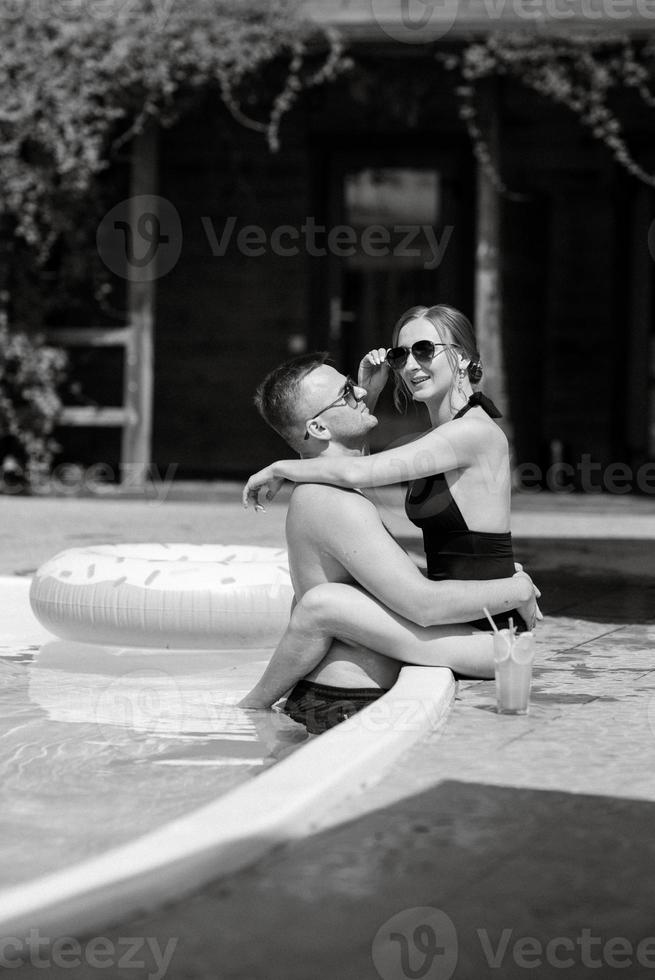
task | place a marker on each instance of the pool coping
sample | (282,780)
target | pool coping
(276,807)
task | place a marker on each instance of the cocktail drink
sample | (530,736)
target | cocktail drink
(513,657)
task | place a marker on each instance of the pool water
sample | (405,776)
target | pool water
(99,745)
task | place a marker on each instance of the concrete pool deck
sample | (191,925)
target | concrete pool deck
(491,833)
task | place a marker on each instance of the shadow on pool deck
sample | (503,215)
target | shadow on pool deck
(588,578)
(601,581)
(500,864)
(596,595)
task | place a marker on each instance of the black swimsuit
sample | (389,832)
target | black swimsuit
(452,550)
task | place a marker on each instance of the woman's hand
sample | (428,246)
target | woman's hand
(529,608)
(372,375)
(262,480)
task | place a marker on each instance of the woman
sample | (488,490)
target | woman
(459,495)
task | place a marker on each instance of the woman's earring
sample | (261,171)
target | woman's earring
(461,374)
(474,372)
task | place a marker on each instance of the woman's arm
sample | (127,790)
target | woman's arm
(348,527)
(451,446)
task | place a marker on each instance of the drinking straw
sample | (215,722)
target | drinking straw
(488,615)
(511,626)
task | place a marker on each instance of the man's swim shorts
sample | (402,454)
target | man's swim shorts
(320,706)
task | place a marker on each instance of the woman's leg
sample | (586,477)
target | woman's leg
(347,613)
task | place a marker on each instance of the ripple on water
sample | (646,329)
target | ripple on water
(91,758)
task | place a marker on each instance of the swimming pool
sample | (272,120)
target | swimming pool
(119,771)
(100,745)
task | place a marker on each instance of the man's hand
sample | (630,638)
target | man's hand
(372,375)
(263,480)
(528,608)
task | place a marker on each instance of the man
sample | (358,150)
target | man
(336,535)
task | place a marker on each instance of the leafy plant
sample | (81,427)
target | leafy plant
(30,376)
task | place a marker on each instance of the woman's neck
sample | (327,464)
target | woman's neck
(443,411)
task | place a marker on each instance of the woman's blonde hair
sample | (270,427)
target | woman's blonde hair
(454,329)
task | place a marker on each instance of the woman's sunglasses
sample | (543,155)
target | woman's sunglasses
(423,350)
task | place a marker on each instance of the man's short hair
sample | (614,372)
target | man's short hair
(276,398)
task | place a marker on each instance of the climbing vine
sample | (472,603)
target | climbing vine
(580,73)
(79,78)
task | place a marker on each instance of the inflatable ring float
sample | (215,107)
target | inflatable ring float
(168,596)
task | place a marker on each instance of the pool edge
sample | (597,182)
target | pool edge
(239,828)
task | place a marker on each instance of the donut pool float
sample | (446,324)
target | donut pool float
(166,596)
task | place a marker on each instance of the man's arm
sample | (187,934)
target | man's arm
(348,526)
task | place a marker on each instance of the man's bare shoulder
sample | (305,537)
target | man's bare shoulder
(318,501)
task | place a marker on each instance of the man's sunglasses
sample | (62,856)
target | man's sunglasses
(423,350)
(347,397)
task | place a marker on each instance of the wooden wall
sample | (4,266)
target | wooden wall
(568,259)
(568,263)
(224,321)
